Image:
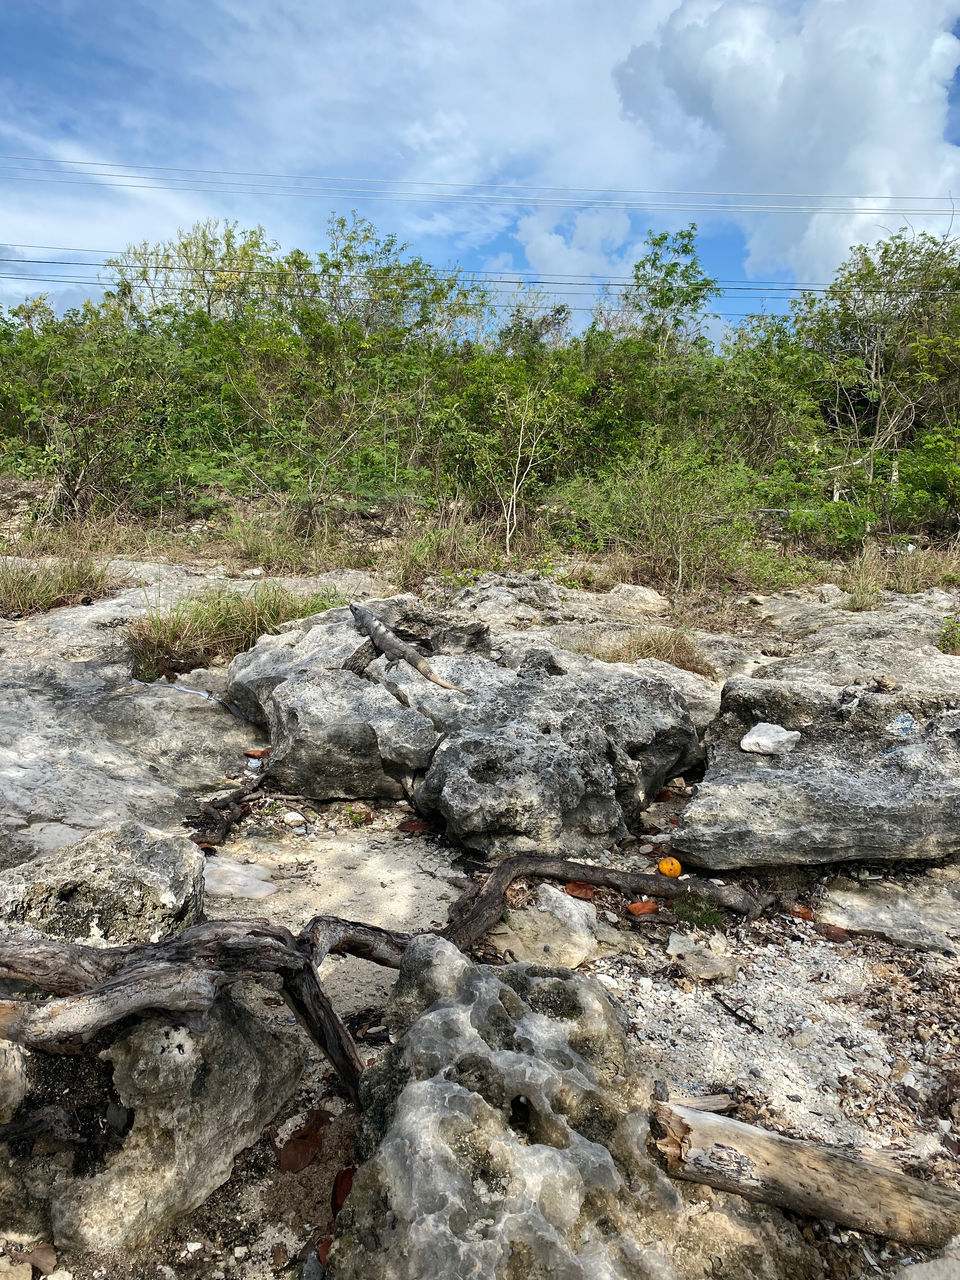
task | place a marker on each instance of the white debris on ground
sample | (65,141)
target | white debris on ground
(804,1036)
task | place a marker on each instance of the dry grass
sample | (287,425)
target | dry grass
(35,588)
(216,625)
(906,572)
(669,644)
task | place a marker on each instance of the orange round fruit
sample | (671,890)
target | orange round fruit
(669,867)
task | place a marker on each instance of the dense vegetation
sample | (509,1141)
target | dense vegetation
(218,371)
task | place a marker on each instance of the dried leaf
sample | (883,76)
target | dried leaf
(341,1189)
(642,908)
(258,753)
(413,825)
(304,1143)
(323,1250)
(580,889)
(834,933)
(801,913)
(43,1257)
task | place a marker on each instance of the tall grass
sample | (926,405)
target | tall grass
(34,588)
(216,625)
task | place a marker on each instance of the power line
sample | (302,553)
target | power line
(486,186)
(466,199)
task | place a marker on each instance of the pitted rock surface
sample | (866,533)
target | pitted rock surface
(542,751)
(187,1102)
(505,1135)
(129,885)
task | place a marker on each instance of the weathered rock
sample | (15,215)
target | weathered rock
(705,962)
(769,740)
(558,930)
(505,1136)
(925,914)
(187,1102)
(83,746)
(14,1079)
(945,1266)
(128,885)
(874,775)
(544,750)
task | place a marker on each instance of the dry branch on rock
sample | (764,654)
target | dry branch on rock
(478,910)
(93,987)
(805,1177)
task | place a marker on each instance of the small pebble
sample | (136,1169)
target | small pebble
(294,819)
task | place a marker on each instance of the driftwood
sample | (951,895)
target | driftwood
(805,1177)
(474,913)
(91,988)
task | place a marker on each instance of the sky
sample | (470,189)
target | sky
(525,136)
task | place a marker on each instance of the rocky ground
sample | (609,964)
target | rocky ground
(830,1017)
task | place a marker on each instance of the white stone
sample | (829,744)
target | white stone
(224,878)
(769,739)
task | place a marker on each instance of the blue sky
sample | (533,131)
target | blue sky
(782,96)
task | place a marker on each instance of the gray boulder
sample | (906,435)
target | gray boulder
(115,1170)
(874,774)
(542,751)
(505,1135)
(120,886)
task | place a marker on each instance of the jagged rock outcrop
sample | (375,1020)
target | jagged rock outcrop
(875,774)
(543,750)
(505,1136)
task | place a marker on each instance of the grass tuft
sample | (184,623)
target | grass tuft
(949,641)
(670,644)
(35,588)
(218,624)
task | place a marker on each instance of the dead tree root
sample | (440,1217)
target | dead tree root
(90,988)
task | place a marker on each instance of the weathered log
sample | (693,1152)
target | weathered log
(474,913)
(805,1177)
(181,976)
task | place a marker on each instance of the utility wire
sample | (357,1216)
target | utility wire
(486,186)
(470,200)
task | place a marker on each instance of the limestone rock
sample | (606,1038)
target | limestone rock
(643,599)
(945,1266)
(193,1100)
(557,930)
(128,885)
(543,751)
(85,747)
(706,963)
(769,740)
(505,1135)
(925,916)
(874,775)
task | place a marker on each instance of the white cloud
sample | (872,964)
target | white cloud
(838,96)
(766,95)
